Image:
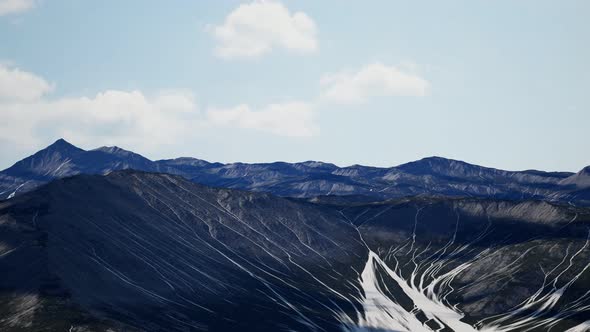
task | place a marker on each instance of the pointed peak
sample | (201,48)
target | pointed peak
(47,163)
(61,142)
(62,145)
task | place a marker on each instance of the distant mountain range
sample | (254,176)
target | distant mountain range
(432,176)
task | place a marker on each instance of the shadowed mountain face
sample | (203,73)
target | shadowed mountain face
(62,159)
(430,176)
(156,252)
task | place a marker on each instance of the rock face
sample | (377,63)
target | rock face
(430,176)
(156,252)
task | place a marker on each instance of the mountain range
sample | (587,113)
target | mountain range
(107,240)
(433,176)
(137,251)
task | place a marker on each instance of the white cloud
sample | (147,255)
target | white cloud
(143,122)
(287,119)
(16,84)
(127,118)
(147,122)
(15,6)
(256,28)
(373,80)
(154,122)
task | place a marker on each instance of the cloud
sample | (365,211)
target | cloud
(144,122)
(294,119)
(128,118)
(16,84)
(153,122)
(15,6)
(373,80)
(256,28)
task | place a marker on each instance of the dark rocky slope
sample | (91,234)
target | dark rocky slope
(155,252)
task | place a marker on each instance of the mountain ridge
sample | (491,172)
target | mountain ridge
(430,176)
(170,254)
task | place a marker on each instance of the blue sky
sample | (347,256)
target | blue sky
(499,83)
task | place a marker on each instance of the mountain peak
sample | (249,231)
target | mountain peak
(62,144)
(443,167)
(61,141)
(317,164)
(187,161)
(124,157)
(431,163)
(580,179)
(113,150)
(53,161)
(440,160)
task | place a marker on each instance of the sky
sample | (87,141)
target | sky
(504,84)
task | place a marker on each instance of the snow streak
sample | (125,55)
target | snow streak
(418,301)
